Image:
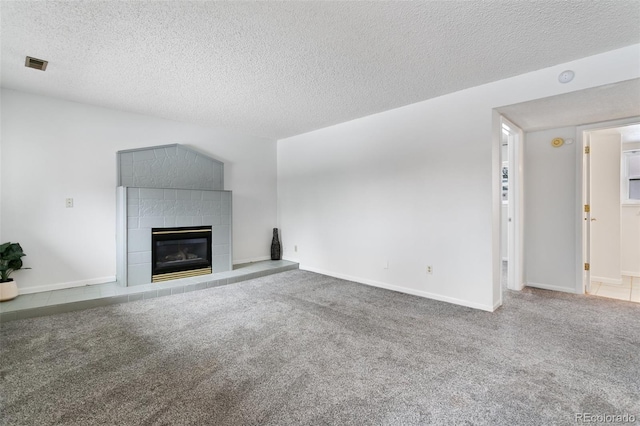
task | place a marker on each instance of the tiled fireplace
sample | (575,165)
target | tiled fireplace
(163,190)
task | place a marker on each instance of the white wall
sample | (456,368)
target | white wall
(53,149)
(630,240)
(549,205)
(416,186)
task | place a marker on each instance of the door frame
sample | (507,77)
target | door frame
(515,227)
(583,222)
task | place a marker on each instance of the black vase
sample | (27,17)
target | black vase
(275,246)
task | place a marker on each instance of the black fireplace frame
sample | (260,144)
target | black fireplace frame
(180,270)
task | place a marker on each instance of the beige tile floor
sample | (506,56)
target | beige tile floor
(628,290)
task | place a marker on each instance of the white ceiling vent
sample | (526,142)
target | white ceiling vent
(36,63)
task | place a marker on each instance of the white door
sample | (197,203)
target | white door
(604,217)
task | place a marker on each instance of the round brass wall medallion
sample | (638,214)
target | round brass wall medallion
(557,142)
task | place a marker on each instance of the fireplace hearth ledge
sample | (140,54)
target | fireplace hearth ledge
(92,296)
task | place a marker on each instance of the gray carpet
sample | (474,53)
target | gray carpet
(302,348)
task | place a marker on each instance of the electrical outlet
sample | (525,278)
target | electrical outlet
(429,269)
(69,202)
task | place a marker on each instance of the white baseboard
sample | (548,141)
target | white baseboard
(605,280)
(251,260)
(405,290)
(571,290)
(497,305)
(61,286)
(631,274)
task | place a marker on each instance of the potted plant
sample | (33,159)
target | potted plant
(10,260)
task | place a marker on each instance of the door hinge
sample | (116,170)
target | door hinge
(587,149)
(587,208)
(586,266)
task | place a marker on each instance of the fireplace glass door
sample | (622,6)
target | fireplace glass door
(180,252)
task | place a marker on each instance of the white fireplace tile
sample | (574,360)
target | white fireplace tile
(171,151)
(126,169)
(217,177)
(151,222)
(183,221)
(196,220)
(190,156)
(221,234)
(210,220)
(133,193)
(146,181)
(217,197)
(220,249)
(201,285)
(160,152)
(169,208)
(132,223)
(151,207)
(206,206)
(139,274)
(226,203)
(146,256)
(126,181)
(221,262)
(150,294)
(153,193)
(226,219)
(196,195)
(139,240)
(225,208)
(181,210)
(135,258)
(126,157)
(145,154)
(184,194)
(170,194)
(210,195)
(170,221)
(133,210)
(164,292)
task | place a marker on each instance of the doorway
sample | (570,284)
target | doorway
(611,212)
(511,162)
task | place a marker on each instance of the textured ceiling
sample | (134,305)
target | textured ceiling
(610,102)
(277,69)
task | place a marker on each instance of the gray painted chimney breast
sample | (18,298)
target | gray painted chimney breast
(169,166)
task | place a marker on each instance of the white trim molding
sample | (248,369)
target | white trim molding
(631,274)
(553,287)
(404,290)
(62,286)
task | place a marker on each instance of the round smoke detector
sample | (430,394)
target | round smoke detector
(566,76)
